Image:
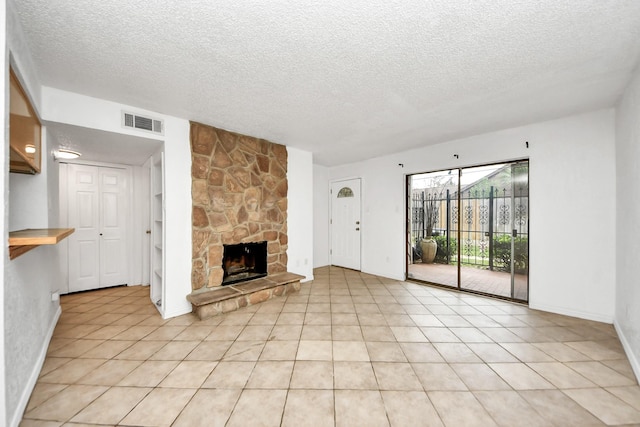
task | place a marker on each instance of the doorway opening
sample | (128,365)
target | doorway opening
(468,228)
(111,207)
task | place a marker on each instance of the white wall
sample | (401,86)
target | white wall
(572,202)
(28,312)
(177,196)
(300,212)
(627,225)
(320,216)
(4,208)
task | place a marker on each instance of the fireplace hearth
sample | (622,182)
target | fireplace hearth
(244,261)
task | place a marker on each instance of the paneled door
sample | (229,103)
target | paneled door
(345,223)
(98,211)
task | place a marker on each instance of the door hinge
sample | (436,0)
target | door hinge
(330,221)
(330,251)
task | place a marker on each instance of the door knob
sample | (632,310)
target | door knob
(148,231)
(357,222)
(357,228)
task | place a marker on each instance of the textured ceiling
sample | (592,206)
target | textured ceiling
(347,80)
(108,147)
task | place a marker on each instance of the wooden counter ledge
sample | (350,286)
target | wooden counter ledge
(22,241)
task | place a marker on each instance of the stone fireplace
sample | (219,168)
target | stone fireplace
(239,221)
(239,191)
(244,261)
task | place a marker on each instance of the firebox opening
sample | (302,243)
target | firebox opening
(244,261)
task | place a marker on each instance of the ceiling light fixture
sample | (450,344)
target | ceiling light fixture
(65,154)
(29,149)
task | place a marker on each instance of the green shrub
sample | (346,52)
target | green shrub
(502,254)
(441,254)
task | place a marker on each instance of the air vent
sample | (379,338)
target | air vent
(135,121)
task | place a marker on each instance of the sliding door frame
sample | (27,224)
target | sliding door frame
(458,233)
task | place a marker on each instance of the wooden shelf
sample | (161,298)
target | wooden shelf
(22,241)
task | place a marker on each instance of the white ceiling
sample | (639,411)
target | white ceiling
(347,80)
(100,146)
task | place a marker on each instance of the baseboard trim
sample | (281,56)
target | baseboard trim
(176,313)
(33,378)
(633,358)
(573,313)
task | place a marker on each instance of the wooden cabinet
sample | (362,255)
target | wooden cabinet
(24,131)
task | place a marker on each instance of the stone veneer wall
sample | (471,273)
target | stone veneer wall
(239,190)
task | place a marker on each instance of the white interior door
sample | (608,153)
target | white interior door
(98,211)
(113,217)
(84,251)
(145,217)
(345,223)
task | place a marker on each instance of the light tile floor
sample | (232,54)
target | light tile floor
(350,349)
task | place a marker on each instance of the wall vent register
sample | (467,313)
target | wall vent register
(135,121)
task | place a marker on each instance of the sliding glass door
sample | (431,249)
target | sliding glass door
(478,219)
(433,223)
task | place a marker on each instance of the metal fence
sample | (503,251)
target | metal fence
(491,223)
